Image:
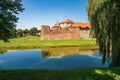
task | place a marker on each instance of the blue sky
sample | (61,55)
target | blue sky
(47,12)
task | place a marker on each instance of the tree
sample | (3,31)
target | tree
(19,33)
(8,11)
(33,31)
(26,32)
(13,32)
(104,16)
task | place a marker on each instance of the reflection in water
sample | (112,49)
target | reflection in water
(3,51)
(45,54)
(65,51)
(60,55)
(51,55)
(53,58)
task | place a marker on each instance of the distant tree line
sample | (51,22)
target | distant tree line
(24,32)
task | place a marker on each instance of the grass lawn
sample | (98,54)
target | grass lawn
(76,74)
(35,42)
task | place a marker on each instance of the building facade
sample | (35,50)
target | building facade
(67,29)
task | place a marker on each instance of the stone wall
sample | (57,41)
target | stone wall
(58,33)
(85,33)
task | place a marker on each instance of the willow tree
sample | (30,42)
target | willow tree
(104,16)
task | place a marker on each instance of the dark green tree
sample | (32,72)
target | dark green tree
(8,11)
(104,16)
(33,31)
(19,33)
(13,32)
(26,32)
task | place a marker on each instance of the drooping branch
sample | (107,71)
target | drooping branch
(104,17)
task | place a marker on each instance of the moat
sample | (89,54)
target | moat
(40,59)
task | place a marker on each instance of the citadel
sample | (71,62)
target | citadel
(67,29)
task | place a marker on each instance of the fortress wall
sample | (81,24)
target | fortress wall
(59,33)
(45,29)
(85,33)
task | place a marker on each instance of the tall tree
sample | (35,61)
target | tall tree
(8,11)
(104,16)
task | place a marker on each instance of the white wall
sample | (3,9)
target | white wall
(65,25)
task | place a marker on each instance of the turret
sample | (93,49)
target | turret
(45,29)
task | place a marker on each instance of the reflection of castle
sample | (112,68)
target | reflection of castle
(67,29)
(62,51)
(51,55)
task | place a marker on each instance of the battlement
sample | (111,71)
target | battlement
(67,29)
(45,29)
(58,33)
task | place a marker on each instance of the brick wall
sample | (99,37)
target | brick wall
(85,33)
(57,33)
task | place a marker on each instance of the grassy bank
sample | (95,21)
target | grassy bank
(35,42)
(76,74)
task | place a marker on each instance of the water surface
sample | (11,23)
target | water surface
(40,59)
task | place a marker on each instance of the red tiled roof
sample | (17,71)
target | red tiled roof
(82,25)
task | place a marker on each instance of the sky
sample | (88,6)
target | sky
(47,12)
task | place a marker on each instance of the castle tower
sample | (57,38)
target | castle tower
(45,29)
(66,23)
(57,23)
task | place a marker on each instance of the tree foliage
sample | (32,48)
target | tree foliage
(26,32)
(33,31)
(19,33)
(104,16)
(8,11)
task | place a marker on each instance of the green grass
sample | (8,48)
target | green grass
(76,74)
(35,42)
